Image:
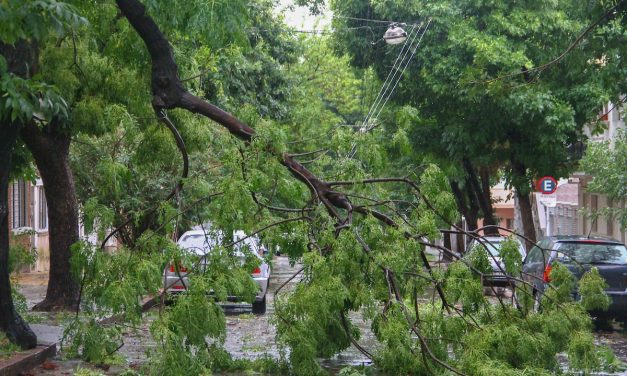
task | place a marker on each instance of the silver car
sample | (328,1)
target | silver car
(493,245)
(201,243)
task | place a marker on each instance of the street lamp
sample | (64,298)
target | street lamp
(395,35)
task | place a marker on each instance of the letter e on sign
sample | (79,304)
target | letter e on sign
(547,185)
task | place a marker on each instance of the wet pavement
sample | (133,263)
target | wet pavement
(248,336)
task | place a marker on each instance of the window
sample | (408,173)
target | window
(42,210)
(509,223)
(592,252)
(539,252)
(534,255)
(18,204)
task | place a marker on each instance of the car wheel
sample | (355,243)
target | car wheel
(603,324)
(517,299)
(537,307)
(259,307)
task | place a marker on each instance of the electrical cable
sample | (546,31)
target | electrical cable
(377,107)
(317,31)
(368,19)
(388,78)
(393,72)
(415,48)
(382,92)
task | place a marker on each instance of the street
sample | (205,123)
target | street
(248,336)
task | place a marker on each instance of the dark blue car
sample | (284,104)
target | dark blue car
(580,253)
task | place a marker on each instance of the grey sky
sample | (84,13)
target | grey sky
(300,18)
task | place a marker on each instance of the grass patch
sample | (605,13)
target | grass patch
(7,348)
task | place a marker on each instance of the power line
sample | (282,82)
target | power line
(368,19)
(392,74)
(378,105)
(415,48)
(318,31)
(388,78)
(396,73)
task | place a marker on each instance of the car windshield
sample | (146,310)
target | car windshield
(592,253)
(493,246)
(196,241)
(245,241)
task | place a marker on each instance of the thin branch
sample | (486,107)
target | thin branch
(276,292)
(301,218)
(180,144)
(571,47)
(350,337)
(277,208)
(308,153)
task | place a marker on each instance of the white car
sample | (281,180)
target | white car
(493,245)
(202,243)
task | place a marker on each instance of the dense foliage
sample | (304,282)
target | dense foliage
(603,161)
(499,88)
(304,102)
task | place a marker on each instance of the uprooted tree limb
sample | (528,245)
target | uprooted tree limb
(168,92)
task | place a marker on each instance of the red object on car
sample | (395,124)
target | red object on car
(547,273)
(181,269)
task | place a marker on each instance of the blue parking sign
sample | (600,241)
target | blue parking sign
(547,185)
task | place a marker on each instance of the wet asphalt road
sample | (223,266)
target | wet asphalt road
(248,336)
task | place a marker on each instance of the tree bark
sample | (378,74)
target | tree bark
(446,257)
(526,215)
(524,202)
(16,329)
(168,93)
(460,240)
(21,59)
(486,196)
(483,197)
(468,208)
(50,148)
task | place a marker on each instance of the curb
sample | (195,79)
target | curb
(24,361)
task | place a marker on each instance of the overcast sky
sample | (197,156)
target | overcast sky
(300,18)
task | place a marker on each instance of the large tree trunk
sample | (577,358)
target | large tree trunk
(466,204)
(483,195)
(486,197)
(526,215)
(11,323)
(50,147)
(524,202)
(21,59)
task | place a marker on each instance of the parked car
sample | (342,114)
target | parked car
(202,243)
(492,244)
(579,253)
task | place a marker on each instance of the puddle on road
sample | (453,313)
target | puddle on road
(250,336)
(616,340)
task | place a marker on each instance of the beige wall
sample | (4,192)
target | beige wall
(601,226)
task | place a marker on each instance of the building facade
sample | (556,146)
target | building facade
(572,212)
(28,220)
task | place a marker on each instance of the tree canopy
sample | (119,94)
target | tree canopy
(213,113)
(500,85)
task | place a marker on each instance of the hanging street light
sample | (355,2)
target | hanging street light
(395,35)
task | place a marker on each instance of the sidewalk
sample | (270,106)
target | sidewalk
(33,286)
(33,278)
